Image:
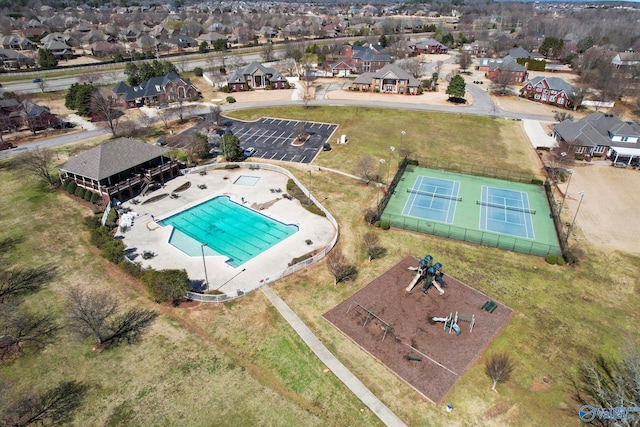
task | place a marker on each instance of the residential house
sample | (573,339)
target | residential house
(549,90)
(211,37)
(626,60)
(389,79)
(364,59)
(14,60)
(256,76)
(168,88)
(120,169)
(16,43)
(503,68)
(431,46)
(24,115)
(104,49)
(600,134)
(477,48)
(341,69)
(181,41)
(60,50)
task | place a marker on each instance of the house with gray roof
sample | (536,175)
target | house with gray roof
(507,68)
(431,46)
(168,88)
(364,59)
(600,134)
(256,76)
(14,60)
(549,90)
(389,79)
(120,168)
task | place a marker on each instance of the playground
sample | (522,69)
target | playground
(428,339)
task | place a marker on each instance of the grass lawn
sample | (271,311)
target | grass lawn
(241,364)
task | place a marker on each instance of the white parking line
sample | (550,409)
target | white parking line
(283,156)
(271,158)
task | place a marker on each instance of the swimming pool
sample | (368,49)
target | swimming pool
(227,228)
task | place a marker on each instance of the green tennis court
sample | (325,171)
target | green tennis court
(492,212)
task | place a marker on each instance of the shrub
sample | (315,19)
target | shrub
(559,260)
(315,210)
(79,192)
(71,187)
(412,162)
(230,99)
(111,218)
(290,185)
(579,157)
(113,250)
(198,71)
(94,197)
(299,259)
(88,195)
(66,183)
(225,89)
(377,223)
(551,259)
(231,166)
(536,181)
(370,216)
(384,225)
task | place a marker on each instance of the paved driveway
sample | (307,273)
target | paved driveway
(273,138)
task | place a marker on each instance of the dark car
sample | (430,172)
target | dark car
(36,80)
(6,145)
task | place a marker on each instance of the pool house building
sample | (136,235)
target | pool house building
(120,169)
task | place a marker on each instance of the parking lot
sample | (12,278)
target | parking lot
(273,138)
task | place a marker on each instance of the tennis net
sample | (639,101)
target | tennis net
(511,208)
(440,196)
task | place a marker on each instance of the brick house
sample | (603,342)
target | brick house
(390,79)
(600,134)
(168,88)
(549,90)
(430,46)
(256,76)
(364,59)
(507,68)
(18,115)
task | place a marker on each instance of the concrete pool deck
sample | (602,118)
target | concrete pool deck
(145,234)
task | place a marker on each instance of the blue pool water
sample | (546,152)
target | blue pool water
(227,228)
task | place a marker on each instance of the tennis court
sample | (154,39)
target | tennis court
(488,211)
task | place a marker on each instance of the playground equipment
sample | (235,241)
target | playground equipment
(490,306)
(451,322)
(413,359)
(430,274)
(370,314)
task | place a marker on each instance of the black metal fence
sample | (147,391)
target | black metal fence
(477,170)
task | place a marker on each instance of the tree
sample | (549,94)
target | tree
(230,146)
(220,44)
(95,314)
(339,266)
(447,40)
(215,113)
(267,53)
(37,163)
(105,109)
(561,116)
(78,98)
(499,367)
(372,245)
(411,66)
(585,43)
(464,60)
(457,87)
(167,285)
(46,59)
(56,406)
(608,383)
(500,83)
(22,329)
(366,168)
(551,47)
(203,47)
(91,78)
(20,282)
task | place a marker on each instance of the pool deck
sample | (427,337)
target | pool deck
(146,235)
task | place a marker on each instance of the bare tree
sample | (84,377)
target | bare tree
(95,313)
(20,282)
(91,78)
(464,60)
(561,116)
(56,406)
(339,266)
(215,113)
(22,329)
(37,163)
(290,66)
(267,52)
(371,242)
(105,109)
(411,66)
(307,80)
(608,383)
(165,115)
(42,85)
(499,367)
(500,83)
(366,168)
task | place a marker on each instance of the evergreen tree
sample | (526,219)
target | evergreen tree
(457,87)
(46,59)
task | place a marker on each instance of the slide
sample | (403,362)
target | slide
(413,283)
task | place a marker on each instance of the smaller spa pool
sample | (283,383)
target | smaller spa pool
(247,180)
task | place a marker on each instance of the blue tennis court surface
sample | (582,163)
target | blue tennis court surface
(506,211)
(432,198)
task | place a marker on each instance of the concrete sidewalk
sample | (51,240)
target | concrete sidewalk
(350,380)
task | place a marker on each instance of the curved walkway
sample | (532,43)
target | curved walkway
(350,380)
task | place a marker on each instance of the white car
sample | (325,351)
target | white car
(249,152)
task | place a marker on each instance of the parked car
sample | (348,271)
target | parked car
(161,106)
(249,152)
(6,145)
(36,80)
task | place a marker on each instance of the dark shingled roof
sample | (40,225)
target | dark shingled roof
(112,157)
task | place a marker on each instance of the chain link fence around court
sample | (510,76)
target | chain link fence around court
(479,237)
(250,287)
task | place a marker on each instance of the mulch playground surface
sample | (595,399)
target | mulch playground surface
(444,356)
